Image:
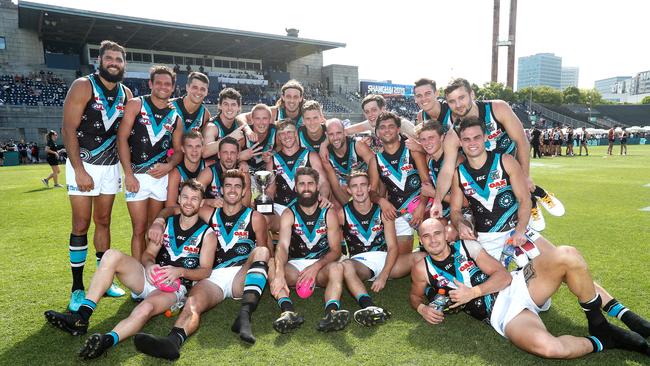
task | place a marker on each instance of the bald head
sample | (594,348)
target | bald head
(429,225)
(334,123)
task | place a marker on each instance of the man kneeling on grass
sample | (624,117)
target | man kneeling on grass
(187,253)
(511,301)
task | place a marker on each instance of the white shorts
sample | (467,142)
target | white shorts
(375,261)
(511,301)
(224,278)
(493,243)
(150,187)
(150,288)
(301,264)
(402,227)
(106,179)
(279,209)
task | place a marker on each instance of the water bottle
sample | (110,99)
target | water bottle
(507,255)
(440,300)
(174,309)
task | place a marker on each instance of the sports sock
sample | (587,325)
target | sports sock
(110,339)
(628,317)
(177,336)
(332,305)
(98,256)
(539,192)
(596,343)
(254,285)
(78,251)
(364,301)
(533,201)
(591,308)
(86,309)
(285,304)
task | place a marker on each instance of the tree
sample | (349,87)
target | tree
(540,94)
(645,100)
(572,95)
(493,90)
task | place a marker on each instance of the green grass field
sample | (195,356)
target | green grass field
(602,196)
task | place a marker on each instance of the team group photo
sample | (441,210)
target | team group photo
(254,206)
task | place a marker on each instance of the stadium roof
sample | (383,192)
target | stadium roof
(60,24)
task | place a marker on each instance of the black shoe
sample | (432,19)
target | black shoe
(371,316)
(612,337)
(287,322)
(94,347)
(69,322)
(334,320)
(161,347)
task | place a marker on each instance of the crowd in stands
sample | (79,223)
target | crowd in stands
(34,89)
(403,106)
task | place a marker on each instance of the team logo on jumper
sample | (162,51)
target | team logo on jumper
(495,174)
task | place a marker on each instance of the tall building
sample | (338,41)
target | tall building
(542,69)
(569,77)
(613,88)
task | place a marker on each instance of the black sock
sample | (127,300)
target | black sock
(86,309)
(364,301)
(78,250)
(285,304)
(533,201)
(98,256)
(539,192)
(596,343)
(591,308)
(110,339)
(254,284)
(628,317)
(332,305)
(177,336)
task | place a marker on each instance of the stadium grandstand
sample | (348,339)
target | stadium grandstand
(47,47)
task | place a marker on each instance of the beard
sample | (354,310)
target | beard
(308,201)
(189,212)
(106,75)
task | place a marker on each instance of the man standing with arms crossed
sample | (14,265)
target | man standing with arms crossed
(92,112)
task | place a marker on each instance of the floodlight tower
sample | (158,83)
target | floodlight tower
(510,42)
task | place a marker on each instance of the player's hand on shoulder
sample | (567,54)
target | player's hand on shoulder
(324,202)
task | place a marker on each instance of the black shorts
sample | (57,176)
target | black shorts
(557,142)
(547,142)
(611,141)
(52,160)
(623,141)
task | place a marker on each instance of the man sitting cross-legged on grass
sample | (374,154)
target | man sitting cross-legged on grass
(372,245)
(240,270)
(511,301)
(186,253)
(307,252)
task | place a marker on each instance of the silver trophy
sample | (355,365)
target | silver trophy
(264,203)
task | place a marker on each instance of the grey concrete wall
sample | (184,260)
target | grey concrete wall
(22,46)
(307,69)
(342,78)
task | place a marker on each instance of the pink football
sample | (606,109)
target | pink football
(415,202)
(304,289)
(165,286)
